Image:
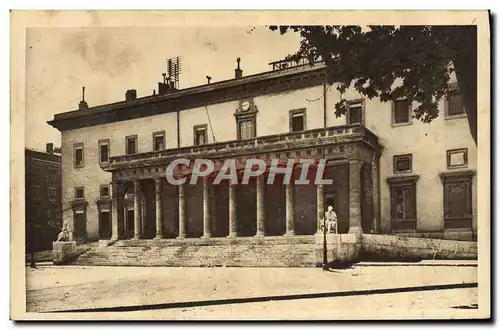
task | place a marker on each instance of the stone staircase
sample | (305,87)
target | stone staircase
(296,251)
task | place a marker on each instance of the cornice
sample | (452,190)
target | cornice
(231,90)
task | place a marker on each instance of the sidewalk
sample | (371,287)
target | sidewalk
(136,288)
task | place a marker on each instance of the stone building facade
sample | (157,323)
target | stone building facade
(43,182)
(391,173)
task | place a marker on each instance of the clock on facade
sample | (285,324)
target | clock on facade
(245,105)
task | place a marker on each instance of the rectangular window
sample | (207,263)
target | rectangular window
(403,202)
(297,120)
(52,175)
(158,141)
(402,164)
(131,144)
(78,155)
(200,135)
(104,191)
(454,104)
(79,193)
(246,129)
(457,199)
(355,112)
(456,158)
(401,112)
(103,151)
(52,193)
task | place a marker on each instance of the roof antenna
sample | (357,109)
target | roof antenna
(83,104)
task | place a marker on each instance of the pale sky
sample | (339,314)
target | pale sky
(108,61)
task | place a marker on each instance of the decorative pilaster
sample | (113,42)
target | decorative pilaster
(137,211)
(207,230)
(159,211)
(290,210)
(233,230)
(182,213)
(355,196)
(376,193)
(320,206)
(261,207)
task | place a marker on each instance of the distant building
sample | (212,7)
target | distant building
(43,198)
(391,173)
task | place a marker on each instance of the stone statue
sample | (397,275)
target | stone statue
(331,220)
(64,234)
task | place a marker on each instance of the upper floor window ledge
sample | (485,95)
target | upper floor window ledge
(453,104)
(78,155)
(401,113)
(355,112)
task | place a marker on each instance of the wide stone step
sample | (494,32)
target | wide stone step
(255,255)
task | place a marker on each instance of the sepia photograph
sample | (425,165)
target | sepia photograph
(229,165)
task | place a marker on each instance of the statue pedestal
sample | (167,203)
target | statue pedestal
(62,252)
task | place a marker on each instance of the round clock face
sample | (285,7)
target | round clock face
(245,106)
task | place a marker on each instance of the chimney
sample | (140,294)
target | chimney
(50,148)
(209,78)
(130,95)
(83,104)
(238,73)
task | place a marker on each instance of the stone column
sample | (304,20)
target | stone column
(355,196)
(115,204)
(159,211)
(182,213)
(137,211)
(320,206)
(233,229)
(261,207)
(290,210)
(376,194)
(207,230)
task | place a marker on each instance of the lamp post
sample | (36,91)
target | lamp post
(325,259)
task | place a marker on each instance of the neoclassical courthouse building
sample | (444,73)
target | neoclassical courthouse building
(391,174)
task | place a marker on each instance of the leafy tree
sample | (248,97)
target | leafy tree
(392,62)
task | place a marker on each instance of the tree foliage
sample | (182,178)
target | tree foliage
(393,62)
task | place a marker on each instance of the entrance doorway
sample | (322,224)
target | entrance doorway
(104,225)
(129,224)
(80,226)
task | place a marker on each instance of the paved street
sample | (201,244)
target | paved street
(367,290)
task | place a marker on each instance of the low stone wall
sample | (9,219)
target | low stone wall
(401,247)
(456,235)
(63,252)
(341,248)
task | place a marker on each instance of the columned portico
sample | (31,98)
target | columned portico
(261,211)
(117,195)
(182,213)
(290,210)
(233,226)
(159,211)
(355,196)
(137,211)
(253,210)
(207,212)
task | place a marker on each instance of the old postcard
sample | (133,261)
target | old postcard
(251,165)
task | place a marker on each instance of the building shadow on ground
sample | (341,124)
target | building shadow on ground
(215,302)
